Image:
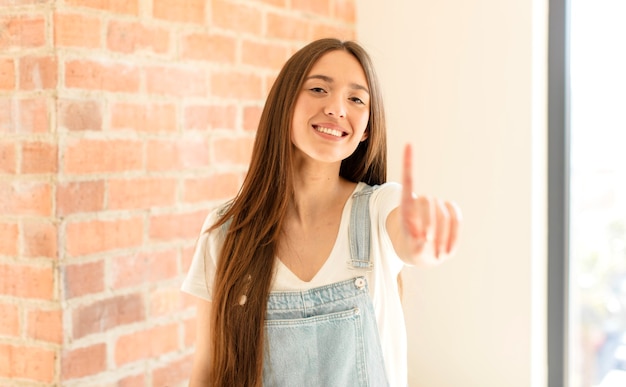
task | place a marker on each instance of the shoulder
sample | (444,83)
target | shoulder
(388,188)
(214,216)
(382,198)
(211,238)
(199,279)
(385,198)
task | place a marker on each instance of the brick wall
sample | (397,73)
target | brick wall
(122,122)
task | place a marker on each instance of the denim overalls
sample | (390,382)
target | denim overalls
(327,336)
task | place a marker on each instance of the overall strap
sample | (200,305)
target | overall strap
(359,230)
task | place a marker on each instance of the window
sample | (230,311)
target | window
(587,219)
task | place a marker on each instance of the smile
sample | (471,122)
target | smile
(329,131)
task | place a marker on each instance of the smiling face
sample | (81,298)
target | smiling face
(332,109)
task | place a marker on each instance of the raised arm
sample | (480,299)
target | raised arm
(423,230)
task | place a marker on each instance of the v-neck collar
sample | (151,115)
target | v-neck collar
(329,263)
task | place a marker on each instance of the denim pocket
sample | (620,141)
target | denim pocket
(322,350)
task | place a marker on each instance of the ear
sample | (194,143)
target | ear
(365,134)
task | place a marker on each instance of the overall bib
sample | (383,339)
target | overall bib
(327,336)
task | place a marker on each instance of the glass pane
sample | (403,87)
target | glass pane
(597,314)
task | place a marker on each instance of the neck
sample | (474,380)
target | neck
(317,188)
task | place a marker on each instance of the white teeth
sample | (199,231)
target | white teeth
(332,132)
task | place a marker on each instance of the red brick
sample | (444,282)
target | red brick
(220,186)
(210,47)
(27,362)
(40,239)
(34,115)
(79,115)
(27,281)
(188,11)
(176,81)
(251,117)
(344,10)
(128,37)
(38,73)
(323,30)
(105,75)
(100,316)
(144,267)
(187,255)
(9,320)
(45,325)
(115,6)
(165,301)
(288,27)
(7,3)
(7,74)
(7,114)
(173,373)
(132,381)
(237,17)
(22,32)
(320,7)
(141,193)
(143,117)
(39,157)
(176,155)
(9,239)
(88,237)
(82,196)
(176,226)
(145,344)
(93,156)
(199,117)
(84,361)
(232,150)
(276,3)
(189,329)
(267,55)
(269,81)
(76,30)
(8,157)
(83,278)
(25,198)
(230,84)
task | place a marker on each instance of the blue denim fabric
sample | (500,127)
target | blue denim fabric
(327,336)
(360,224)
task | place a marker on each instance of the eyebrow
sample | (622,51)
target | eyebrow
(328,79)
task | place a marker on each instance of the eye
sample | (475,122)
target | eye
(317,90)
(357,100)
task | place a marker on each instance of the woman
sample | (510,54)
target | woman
(296,276)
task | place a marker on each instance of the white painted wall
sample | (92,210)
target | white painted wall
(465,82)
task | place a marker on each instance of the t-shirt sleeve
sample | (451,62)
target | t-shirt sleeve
(384,200)
(201,274)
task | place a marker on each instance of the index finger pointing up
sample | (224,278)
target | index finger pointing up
(407,174)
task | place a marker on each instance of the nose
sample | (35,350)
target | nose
(335,107)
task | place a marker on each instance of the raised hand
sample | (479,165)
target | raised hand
(426,229)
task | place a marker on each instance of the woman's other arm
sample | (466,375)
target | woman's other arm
(200,371)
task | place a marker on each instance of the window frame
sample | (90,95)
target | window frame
(558,192)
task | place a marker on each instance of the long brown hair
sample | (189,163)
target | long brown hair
(254,218)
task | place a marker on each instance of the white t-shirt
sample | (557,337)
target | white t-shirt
(382,279)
